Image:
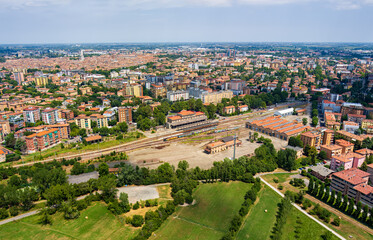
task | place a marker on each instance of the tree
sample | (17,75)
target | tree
(123,127)
(338,201)
(10,140)
(137,220)
(322,155)
(103,169)
(364,167)
(45,218)
(107,185)
(20,145)
(295,142)
(364,214)
(358,210)
(315,121)
(286,159)
(305,121)
(327,235)
(124,203)
(183,165)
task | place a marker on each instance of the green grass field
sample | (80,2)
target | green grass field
(209,218)
(100,224)
(259,223)
(282,177)
(299,226)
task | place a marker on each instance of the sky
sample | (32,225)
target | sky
(121,21)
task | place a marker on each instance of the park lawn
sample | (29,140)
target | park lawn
(259,223)
(345,228)
(282,177)
(101,224)
(299,226)
(209,217)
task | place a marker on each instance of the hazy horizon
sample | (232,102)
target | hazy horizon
(181,21)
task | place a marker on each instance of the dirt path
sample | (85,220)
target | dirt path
(340,214)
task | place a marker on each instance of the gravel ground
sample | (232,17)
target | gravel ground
(137,193)
(82,177)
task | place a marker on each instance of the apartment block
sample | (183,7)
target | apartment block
(42,140)
(347,161)
(125,114)
(186,119)
(331,150)
(216,97)
(31,114)
(311,138)
(83,121)
(353,183)
(347,146)
(100,120)
(49,115)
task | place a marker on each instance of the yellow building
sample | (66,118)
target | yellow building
(83,121)
(311,138)
(216,97)
(41,81)
(366,123)
(134,90)
(100,119)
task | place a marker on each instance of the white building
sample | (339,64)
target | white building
(284,112)
(177,95)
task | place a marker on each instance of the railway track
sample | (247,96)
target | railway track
(154,141)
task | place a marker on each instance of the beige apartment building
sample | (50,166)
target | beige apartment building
(216,97)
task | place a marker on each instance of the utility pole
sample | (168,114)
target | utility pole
(234,147)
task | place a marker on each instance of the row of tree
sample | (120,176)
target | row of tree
(318,189)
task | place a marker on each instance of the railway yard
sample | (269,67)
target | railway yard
(173,146)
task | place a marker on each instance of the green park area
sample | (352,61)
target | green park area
(210,216)
(95,222)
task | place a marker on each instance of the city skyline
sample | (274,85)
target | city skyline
(49,21)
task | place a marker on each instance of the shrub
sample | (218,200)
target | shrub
(137,220)
(336,221)
(13,211)
(3,213)
(136,206)
(81,205)
(280,187)
(275,180)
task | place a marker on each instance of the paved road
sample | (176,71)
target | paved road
(303,211)
(19,217)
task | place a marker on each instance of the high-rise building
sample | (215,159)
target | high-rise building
(19,77)
(49,115)
(31,114)
(125,114)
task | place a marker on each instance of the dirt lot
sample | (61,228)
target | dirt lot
(193,153)
(137,193)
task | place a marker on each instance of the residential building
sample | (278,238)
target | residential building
(356,118)
(346,161)
(350,127)
(67,114)
(331,150)
(31,114)
(19,77)
(83,121)
(100,120)
(42,140)
(41,81)
(64,130)
(158,91)
(49,115)
(125,114)
(350,136)
(177,96)
(353,183)
(229,110)
(352,108)
(311,138)
(366,123)
(133,89)
(327,137)
(215,97)
(243,108)
(347,146)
